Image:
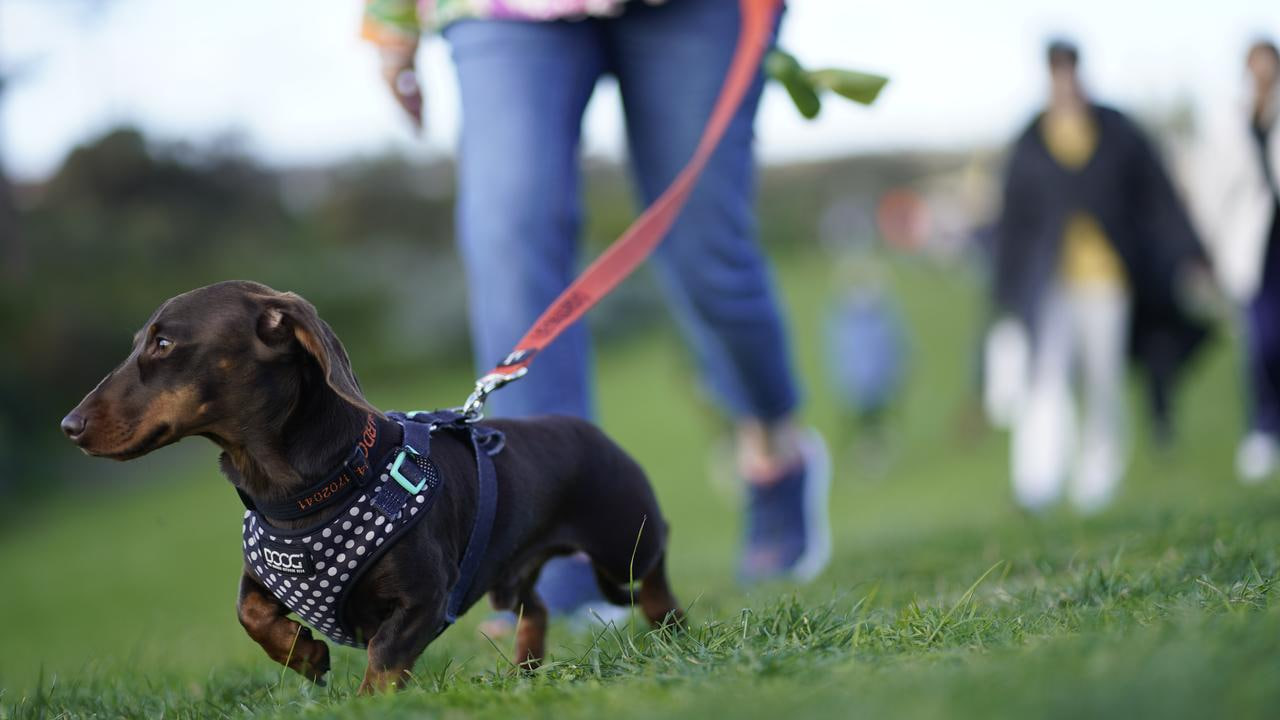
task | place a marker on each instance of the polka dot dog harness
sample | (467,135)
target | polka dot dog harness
(312,570)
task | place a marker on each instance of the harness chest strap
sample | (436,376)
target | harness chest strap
(485,442)
(311,571)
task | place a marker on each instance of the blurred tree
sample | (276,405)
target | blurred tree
(125,223)
(389,199)
(14,261)
(119,227)
(12,253)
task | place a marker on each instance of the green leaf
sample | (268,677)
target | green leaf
(804,96)
(783,67)
(859,87)
(805,86)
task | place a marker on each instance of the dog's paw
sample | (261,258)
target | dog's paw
(310,657)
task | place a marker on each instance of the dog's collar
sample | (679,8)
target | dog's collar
(353,473)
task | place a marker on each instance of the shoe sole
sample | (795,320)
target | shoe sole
(817,546)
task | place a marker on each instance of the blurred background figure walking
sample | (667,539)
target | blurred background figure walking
(866,346)
(1093,248)
(864,329)
(525,74)
(1238,199)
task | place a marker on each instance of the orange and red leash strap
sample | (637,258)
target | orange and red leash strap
(755,35)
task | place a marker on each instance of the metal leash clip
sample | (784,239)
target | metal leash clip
(473,409)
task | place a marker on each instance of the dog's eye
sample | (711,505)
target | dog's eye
(163,344)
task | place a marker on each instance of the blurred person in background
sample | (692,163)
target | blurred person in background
(1090,248)
(1239,209)
(526,72)
(866,347)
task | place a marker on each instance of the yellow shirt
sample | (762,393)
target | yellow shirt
(1087,255)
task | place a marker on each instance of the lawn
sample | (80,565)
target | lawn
(942,598)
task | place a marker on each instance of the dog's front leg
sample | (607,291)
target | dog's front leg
(398,642)
(285,641)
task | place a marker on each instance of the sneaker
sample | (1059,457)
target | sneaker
(502,624)
(596,615)
(498,625)
(1099,469)
(567,584)
(1256,458)
(788,533)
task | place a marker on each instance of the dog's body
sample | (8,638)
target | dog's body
(260,374)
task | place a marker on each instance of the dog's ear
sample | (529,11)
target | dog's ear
(288,317)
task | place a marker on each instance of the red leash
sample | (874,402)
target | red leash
(612,267)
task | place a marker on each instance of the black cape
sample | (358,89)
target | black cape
(1124,186)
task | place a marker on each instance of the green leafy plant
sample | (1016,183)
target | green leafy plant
(806,86)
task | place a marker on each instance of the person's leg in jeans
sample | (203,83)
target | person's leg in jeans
(524,87)
(671,61)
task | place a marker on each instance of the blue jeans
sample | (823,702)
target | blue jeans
(524,87)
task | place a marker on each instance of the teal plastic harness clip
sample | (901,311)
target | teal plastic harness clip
(405,482)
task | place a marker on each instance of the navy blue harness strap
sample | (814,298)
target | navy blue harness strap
(486,442)
(391,497)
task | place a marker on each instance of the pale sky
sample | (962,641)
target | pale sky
(293,77)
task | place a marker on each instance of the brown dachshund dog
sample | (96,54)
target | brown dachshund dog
(259,373)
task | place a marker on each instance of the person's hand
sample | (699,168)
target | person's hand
(401,76)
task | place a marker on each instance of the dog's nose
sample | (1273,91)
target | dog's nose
(73,424)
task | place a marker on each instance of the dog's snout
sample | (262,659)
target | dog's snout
(73,424)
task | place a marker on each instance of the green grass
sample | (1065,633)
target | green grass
(942,599)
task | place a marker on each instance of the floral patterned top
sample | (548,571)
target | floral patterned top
(399,22)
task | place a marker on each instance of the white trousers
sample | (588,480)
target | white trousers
(1078,360)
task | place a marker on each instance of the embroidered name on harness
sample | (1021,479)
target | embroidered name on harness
(325,493)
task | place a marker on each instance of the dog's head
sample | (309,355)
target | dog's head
(221,361)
